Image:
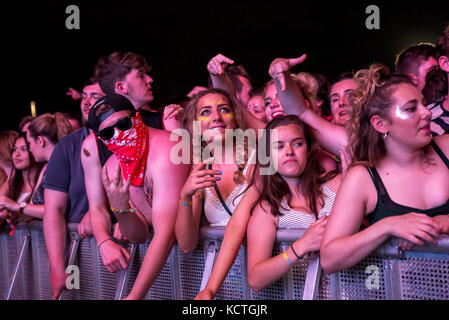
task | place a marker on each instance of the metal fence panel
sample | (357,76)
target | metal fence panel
(411,275)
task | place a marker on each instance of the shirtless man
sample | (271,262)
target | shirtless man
(133,82)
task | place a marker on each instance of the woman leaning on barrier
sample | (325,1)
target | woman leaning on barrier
(296,196)
(399,180)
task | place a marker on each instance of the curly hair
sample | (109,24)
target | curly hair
(376,86)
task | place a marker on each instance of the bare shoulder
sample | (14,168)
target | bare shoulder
(358,176)
(89,149)
(90,141)
(160,144)
(358,186)
(159,157)
(262,212)
(334,183)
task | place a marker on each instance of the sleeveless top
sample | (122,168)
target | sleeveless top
(386,207)
(291,219)
(215,213)
(38,196)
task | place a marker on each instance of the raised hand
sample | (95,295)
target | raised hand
(281,65)
(116,190)
(199,178)
(346,160)
(217,64)
(173,111)
(76,95)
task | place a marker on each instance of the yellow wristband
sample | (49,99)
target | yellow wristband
(285,256)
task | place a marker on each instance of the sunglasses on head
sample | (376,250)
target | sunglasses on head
(123,125)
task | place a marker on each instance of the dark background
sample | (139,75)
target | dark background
(41,58)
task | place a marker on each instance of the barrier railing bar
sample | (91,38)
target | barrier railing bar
(389,252)
(209,263)
(313,276)
(18,265)
(124,276)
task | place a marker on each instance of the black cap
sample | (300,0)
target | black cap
(116,101)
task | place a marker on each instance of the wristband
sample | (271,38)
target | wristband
(285,256)
(103,242)
(293,249)
(129,210)
(185,203)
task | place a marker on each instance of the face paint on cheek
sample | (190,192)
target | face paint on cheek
(203,118)
(229,115)
(398,113)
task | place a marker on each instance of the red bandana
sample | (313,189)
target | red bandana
(131,149)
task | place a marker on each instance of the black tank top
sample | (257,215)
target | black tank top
(386,207)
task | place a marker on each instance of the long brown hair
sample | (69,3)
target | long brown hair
(273,188)
(16,180)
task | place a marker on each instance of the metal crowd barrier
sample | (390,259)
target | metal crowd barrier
(388,273)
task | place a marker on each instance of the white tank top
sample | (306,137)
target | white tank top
(216,214)
(291,219)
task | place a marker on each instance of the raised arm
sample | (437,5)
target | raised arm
(220,80)
(331,137)
(190,205)
(133,225)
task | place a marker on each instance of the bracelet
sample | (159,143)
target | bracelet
(293,249)
(103,242)
(285,256)
(129,210)
(185,203)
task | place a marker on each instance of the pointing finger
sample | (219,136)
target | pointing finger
(105,176)
(296,61)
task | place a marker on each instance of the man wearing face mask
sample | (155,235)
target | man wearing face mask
(141,183)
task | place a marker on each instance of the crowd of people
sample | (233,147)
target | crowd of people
(353,162)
